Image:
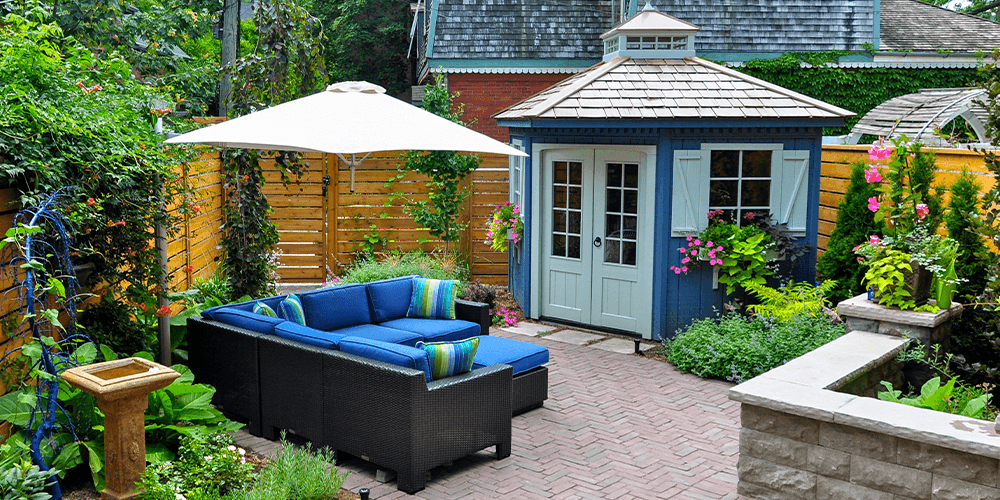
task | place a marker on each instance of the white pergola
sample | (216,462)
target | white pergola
(921,114)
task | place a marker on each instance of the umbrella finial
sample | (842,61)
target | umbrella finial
(363,87)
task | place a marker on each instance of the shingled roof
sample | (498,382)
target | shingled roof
(919,26)
(664,89)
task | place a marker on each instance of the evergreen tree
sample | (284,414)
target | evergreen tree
(855,222)
(920,179)
(963,222)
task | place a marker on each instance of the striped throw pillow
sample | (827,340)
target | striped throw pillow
(291,309)
(262,308)
(450,358)
(433,299)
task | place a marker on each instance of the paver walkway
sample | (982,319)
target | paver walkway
(615,426)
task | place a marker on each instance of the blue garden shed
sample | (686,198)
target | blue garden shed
(625,161)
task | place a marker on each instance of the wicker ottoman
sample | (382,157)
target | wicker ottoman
(530,386)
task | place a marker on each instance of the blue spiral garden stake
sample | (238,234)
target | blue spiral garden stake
(36,257)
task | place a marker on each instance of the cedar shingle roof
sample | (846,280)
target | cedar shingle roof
(915,25)
(665,89)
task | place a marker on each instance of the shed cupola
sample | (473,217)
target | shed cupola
(650,34)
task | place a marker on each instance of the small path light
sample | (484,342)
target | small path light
(364,493)
(121,387)
(638,349)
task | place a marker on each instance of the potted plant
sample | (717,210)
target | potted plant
(506,223)
(739,252)
(912,263)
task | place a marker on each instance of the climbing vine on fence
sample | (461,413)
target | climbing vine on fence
(855,89)
(286,63)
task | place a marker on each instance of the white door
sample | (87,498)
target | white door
(596,234)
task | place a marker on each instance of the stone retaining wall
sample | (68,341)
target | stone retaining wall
(807,435)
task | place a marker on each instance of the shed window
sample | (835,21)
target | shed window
(740,183)
(656,43)
(516,174)
(611,45)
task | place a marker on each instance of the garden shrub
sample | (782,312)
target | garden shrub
(206,464)
(25,481)
(791,299)
(110,323)
(432,266)
(478,292)
(855,223)
(296,474)
(963,222)
(738,349)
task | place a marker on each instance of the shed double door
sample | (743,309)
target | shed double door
(596,241)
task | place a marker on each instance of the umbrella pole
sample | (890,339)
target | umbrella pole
(353,163)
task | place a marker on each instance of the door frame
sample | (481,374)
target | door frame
(648,205)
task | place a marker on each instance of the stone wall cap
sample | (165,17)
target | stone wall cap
(790,397)
(861,307)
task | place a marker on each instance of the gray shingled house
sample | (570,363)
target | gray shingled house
(497,52)
(626,159)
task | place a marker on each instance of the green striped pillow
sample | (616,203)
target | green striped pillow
(262,308)
(450,358)
(291,309)
(433,299)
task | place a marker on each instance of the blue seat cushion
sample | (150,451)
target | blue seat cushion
(271,302)
(523,356)
(247,319)
(336,307)
(380,333)
(390,298)
(301,333)
(394,354)
(436,330)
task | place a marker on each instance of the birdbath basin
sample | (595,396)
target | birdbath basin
(121,387)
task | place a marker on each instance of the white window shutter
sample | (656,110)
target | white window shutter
(794,191)
(690,196)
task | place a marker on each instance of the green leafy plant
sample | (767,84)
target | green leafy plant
(445,170)
(296,474)
(368,42)
(855,223)
(206,464)
(433,266)
(737,349)
(25,481)
(739,251)
(791,299)
(955,396)
(505,218)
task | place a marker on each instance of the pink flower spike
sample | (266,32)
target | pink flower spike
(873,175)
(873,204)
(922,210)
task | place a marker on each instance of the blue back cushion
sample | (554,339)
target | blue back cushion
(394,354)
(271,302)
(299,333)
(247,319)
(390,298)
(336,307)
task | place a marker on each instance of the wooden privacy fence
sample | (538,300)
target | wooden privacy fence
(836,175)
(323,225)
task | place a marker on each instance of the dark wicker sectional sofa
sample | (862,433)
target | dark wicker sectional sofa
(387,414)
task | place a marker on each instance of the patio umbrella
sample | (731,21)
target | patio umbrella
(349,118)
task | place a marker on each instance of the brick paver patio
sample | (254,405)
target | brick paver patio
(615,426)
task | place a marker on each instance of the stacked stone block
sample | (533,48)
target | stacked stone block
(785,456)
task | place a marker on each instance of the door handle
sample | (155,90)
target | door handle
(597,242)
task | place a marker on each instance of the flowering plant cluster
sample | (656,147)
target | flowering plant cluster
(737,250)
(205,463)
(505,217)
(504,318)
(911,241)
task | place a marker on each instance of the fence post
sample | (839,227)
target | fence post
(188,262)
(332,215)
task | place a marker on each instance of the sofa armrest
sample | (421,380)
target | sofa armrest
(475,312)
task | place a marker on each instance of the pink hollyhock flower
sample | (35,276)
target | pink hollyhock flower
(873,204)
(685,260)
(874,240)
(922,210)
(694,252)
(873,175)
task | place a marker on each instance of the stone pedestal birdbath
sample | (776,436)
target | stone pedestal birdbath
(121,387)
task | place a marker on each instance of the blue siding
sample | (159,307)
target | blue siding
(677,299)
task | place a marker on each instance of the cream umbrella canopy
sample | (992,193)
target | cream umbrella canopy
(348,119)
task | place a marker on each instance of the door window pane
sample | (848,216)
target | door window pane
(559,245)
(628,253)
(573,247)
(576,173)
(559,221)
(567,201)
(611,252)
(631,201)
(574,223)
(575,197)
(632,175)
(614,200)
(621,207)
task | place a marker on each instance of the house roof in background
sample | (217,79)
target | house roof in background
(653,22)
(689,88)
(520,29)
(919,26)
